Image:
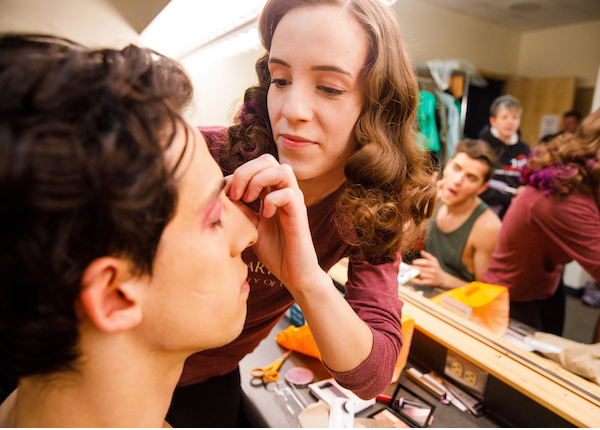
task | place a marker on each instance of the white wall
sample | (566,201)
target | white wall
(219,87)
(434,33)
(94,23)
(571,50)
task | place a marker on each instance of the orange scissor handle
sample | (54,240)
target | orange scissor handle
(271,376)
(257,373)
(270,373)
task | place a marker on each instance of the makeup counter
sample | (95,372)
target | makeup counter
(520,388)
(264,409)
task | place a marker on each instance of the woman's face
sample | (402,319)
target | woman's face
(314,99)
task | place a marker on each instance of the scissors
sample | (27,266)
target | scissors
(270,373)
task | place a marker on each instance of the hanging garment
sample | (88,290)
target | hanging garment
(428,134)
(453,121)
(441,121)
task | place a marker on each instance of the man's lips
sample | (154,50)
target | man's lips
(245,287)
(450,192)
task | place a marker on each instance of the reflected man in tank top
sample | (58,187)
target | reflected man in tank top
(463,231)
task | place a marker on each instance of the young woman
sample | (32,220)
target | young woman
(554,221)
(336,102)
(120,252)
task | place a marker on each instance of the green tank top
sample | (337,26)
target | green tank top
(448,247)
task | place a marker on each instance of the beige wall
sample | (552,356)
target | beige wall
(95,23)
(219,87)
(430,33)
(571,50)
(433,33)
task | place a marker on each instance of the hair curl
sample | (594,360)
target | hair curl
(82,175)
(569,162)
(391,189)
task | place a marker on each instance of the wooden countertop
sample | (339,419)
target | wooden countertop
(574,398)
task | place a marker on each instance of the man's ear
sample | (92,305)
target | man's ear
(110,295)
(484,187)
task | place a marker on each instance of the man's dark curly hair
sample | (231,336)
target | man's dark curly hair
(82,175)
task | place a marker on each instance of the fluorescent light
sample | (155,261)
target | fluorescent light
(242,41)
(186,25)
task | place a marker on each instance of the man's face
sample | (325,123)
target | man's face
(463,179)
(198,290)
(570,124)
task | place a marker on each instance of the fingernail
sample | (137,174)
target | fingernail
(232,192)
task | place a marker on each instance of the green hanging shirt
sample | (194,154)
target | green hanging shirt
(428,135)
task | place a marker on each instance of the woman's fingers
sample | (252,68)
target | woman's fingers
(286,199)
(251,179)
(274,178)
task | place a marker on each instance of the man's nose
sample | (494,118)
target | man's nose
(243,233)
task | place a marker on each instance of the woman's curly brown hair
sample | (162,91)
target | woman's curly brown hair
(569,162)
(391,189)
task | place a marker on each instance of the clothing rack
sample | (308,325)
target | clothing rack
(427,82)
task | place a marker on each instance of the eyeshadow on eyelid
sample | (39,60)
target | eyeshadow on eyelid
(210,210)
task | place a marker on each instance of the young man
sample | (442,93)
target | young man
(120,254)
(463,231)
(570,122)
(511,152)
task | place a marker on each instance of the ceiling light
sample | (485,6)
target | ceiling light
(186,27)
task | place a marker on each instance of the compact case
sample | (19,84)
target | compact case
(406,409)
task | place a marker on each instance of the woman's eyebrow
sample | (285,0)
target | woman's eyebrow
(273,60)
(330,69)
(323,68)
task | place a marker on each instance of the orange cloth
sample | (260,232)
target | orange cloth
(300,339)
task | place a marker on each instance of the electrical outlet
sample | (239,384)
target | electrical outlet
(466,373)
(456,368)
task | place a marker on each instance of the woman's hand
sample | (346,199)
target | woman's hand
(286,248)
(284,243)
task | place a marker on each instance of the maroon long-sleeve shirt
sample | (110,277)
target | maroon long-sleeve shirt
(372,291)
(539,235)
